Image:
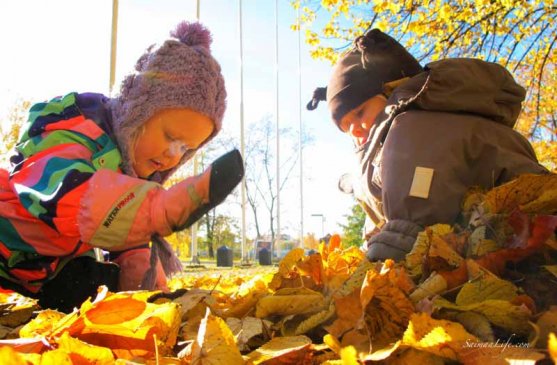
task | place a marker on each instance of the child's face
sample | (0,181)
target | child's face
(359,120)
(167,135)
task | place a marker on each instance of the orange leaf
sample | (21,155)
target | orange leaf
(312,265)
(349,311)
(135,332)
(335,243)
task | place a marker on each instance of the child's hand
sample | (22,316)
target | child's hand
(224,175)
(187,201)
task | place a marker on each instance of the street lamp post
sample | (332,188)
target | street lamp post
(322,223)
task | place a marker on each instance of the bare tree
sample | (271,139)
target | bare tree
(260,160)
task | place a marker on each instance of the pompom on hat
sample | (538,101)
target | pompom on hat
(179,73)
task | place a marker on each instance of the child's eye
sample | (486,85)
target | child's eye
(177,147)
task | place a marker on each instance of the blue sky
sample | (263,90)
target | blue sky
(51,47)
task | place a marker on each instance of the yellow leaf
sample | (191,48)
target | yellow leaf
(382,353)
(190,300)
(16,309)
(439,337)
(501,313)
(440,249)
(290,260)
(355,280)
(83,353)
(484,285)
(42,324)
(530,193)
(215,343)
(9,356)
(332,342)
(434,284)
(349,356)
(552,347)
(414,259)
(285,350)
(290,301)
(315,320)
(477,324)
(56,357)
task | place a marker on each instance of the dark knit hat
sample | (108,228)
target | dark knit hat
(179,73)
(360,74)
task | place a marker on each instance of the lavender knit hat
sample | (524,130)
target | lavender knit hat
(180,73)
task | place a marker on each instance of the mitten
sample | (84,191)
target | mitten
(133,265)
(212,187)
(394,241)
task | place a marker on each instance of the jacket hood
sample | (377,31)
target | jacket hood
(465,85)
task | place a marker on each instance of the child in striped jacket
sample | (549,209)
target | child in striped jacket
(88,173)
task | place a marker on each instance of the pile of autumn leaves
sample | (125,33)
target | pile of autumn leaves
(449,301)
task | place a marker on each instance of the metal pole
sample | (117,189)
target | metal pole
(193,230)
(277,238)
(242,144)
(113,45)
(301,130)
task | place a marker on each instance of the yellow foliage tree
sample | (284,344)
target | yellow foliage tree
(10,128)
(519,34)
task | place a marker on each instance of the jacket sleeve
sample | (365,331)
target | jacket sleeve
(102,208)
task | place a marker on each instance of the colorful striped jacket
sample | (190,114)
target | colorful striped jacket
(55,203)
